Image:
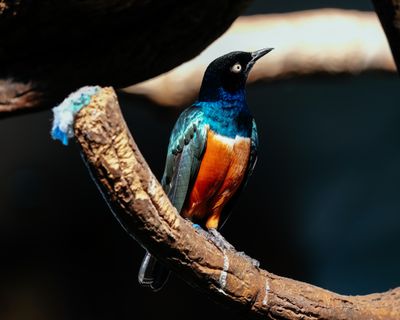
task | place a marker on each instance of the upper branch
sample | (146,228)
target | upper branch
(139,203)
(121,43)
(331,41)
(56,47)
(389,14)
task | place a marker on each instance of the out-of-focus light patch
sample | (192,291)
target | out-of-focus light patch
(325,40)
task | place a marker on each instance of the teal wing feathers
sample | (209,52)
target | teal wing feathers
(253,151)
(185,150)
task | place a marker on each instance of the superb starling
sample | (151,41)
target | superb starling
(212,152)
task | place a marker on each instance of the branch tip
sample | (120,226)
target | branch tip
(65,112)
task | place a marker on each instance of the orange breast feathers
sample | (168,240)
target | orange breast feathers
(221,172)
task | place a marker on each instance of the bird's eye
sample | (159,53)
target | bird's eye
(236,68)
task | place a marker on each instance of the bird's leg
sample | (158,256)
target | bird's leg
(219,240)
(222,244)
(254,262)
(196,226)
(214,236)
(199,229)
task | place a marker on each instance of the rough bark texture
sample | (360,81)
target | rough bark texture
(389,15)
(54,47)
(227,277)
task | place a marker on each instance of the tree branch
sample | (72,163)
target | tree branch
(43,55)
(55,47)
(139,203)
(17,97)
(389,14)
(329,41)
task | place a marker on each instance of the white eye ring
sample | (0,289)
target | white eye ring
(236,68)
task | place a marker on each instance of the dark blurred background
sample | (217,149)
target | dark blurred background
(322,207)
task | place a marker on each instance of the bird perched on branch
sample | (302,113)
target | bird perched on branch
(212,152)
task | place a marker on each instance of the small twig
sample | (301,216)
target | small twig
(140,204)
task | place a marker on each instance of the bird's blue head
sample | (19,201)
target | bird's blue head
(225,77)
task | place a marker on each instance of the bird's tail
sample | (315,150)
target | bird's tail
(152,274)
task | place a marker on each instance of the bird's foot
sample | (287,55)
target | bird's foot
(200,230)
(254,262)
(215,237)
(197,226)
(219,240)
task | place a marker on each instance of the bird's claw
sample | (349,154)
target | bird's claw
(200,230)
(219,240)
(254,262)
(196,226)
(215,237)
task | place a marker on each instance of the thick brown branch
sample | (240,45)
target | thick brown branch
(107,56)
(227,277)
(60,46)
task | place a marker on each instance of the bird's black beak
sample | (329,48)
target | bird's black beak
(255,55)
(260,53)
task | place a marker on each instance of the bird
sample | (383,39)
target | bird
(211,154)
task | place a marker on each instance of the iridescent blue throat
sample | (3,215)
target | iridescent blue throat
(228,115)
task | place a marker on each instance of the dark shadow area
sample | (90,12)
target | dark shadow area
(322,207)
